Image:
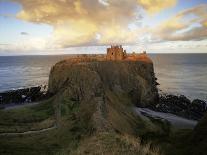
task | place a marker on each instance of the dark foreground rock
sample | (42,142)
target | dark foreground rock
(181,106)
(198,141)
(19,96)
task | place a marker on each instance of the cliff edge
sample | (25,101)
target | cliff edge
(87,78)
(107,88)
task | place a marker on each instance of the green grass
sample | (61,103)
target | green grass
(50,142)
(74,125)
(77,135)
(44,143)
(27,118)
(113,143)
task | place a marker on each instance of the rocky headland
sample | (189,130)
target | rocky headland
(105,86)
(110,88)
(88,78)
(91,110)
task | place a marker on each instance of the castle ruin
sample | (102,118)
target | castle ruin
(116,52)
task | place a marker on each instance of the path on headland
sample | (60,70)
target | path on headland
(17,106)
(55,126)
(175,121)
(28,132)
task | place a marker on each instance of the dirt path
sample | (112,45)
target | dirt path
(176,121)
(14,106)
(28,132)
(17,106)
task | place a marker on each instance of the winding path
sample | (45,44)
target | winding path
(17,106)
(55,126)
(176,121)
(28,132)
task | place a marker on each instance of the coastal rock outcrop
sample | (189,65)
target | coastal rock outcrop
(23,95)
(88,78)
(105,90)
(180,105)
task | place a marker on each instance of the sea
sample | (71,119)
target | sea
(177,74)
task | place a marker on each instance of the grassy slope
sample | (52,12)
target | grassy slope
(43,143)
(112,143)
(27,118)
(186,141)
(76,131)
(76,135)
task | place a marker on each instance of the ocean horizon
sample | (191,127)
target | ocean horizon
(181,73)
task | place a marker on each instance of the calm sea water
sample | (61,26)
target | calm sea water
(177,73)
(182,74)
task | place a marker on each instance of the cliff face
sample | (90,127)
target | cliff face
(106,90)
(92,78)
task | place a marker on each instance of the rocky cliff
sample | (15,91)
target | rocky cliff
(106,90)
(88,78)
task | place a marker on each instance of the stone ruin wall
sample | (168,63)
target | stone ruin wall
(115,53)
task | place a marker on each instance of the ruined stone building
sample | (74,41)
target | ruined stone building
(116,53)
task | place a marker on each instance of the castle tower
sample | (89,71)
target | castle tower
(116,52)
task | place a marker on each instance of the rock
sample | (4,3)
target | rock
(197,108)
(182,106)
(157,83)
(104,91)
(86,78)
(22,95)
(173,103)
(198,105)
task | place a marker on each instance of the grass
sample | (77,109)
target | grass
(74,126)
(67,136)
(77,134)
(45,143)
(27,118)
(156,132)
(114,144)
(124,120)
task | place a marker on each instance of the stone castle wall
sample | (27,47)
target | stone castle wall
(115,53)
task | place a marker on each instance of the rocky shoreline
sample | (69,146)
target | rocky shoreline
(23,95)
(180,105)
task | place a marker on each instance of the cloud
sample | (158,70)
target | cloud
(3,44)
(25,44)
(154,6)
(56,11)
(187,25)
(79,22)
(24,33)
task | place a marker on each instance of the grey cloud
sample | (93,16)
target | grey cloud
(24,33)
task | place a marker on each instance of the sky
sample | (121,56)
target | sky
(30,27)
